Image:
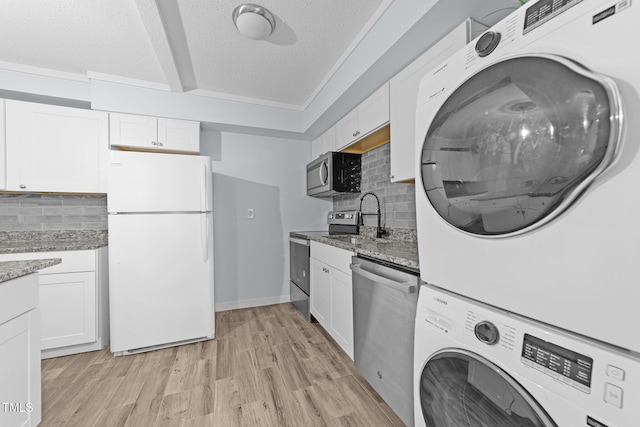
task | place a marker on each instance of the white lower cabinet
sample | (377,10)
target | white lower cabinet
(320,291)
(68,302)
(73,301)
(20,390)
(341,325)
(332,292)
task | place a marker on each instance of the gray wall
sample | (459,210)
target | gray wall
(397,201)
(43,212)
(266,175)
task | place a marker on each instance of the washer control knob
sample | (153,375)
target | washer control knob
(487,332)
(487,43)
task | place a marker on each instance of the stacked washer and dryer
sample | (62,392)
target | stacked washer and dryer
(528,207)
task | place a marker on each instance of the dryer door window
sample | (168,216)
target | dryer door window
(461,389)
(518,142)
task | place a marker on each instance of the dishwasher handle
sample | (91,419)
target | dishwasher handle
(406,287)
(299,241)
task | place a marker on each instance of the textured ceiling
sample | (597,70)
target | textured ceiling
(187,45)
(77,36)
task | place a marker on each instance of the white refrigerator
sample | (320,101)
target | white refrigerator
(160,223)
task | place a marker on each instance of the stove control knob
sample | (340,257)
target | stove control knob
(487,332)
(487,43)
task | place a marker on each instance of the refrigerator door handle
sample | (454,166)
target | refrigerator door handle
(203,188)
(204,237)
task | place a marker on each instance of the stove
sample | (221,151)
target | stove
(343,222)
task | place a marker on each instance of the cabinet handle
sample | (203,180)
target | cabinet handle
(354,134)
(326,270)
(357,133)
(154,143)
(23,186)
(159,144)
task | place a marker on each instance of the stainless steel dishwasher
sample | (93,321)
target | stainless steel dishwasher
(385,298)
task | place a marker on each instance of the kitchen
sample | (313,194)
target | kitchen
(258,152)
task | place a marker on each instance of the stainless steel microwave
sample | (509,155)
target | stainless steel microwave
(334,173)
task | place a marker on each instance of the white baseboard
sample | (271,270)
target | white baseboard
(254,302)
(74,349)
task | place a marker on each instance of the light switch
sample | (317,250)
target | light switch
(250,213)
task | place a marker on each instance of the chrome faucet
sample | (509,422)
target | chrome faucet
(380,231)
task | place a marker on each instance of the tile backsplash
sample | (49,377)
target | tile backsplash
(397,201)
(43,212)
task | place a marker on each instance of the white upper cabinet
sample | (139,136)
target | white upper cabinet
(347,129)
(154,134)
(324,143)
(374,111)
(403,97)
(55,149)
(370,115)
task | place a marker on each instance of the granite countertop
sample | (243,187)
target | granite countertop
(14,269)
(398,251)
(51,241)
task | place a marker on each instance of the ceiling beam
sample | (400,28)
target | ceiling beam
(163,23)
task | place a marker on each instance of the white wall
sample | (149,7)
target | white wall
(266,175)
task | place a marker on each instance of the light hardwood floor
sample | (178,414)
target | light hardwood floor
(266,367)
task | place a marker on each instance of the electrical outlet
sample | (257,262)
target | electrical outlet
(250,213)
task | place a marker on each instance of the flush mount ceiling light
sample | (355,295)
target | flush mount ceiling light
(254,21)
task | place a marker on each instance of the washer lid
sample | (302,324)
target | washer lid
(517,143)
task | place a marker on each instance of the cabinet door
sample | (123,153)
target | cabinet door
(403,98)
(347,130)
(179,136)
(341,328)
(324,143)
(127,130)
(20,390)
(373,112)
(57,149)
(68,309)
(320,292)
(317,147)
(329,140)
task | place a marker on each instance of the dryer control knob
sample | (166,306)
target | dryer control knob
(487,43)
(487,332)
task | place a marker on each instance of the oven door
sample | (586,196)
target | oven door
(299,275)
(299,263)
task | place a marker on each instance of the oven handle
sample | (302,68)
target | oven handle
(299,241)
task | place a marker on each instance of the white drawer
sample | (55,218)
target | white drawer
(72,261)
(332,256)
(18,296)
